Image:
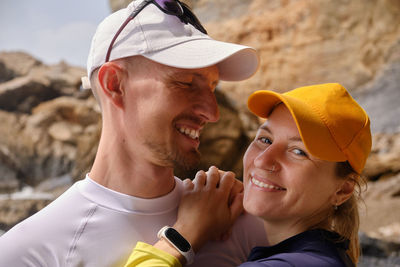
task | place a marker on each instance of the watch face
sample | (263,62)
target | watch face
(177,239)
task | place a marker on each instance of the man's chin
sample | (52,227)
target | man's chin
(187,161)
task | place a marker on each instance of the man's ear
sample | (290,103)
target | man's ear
(110,77)
(344,192)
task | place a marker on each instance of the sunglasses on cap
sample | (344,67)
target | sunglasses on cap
(170,7)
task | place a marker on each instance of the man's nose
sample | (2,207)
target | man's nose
(207,106)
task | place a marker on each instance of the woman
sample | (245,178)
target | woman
(301,175)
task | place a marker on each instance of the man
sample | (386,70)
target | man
(154,83)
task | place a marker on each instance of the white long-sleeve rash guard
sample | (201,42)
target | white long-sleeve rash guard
(91,225)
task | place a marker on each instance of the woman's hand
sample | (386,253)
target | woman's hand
(209,206)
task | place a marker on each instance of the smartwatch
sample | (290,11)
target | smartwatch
(177,241)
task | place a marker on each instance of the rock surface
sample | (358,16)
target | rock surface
(43,115)
(380,97)
(303,42)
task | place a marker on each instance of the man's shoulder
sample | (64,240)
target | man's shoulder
(46,235)
(50,217)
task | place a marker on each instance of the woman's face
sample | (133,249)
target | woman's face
(283,182)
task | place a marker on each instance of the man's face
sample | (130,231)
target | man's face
(166,110)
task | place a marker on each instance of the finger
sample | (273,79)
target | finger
(188,185)
(227,180)
(212,178)
(236,189)
(238,186)
(226,183)
(221,173)
(237,206)
(199,180)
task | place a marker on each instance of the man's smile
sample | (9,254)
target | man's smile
(190,132)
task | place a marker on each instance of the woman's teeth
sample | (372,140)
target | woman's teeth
(264,185)
(194,134)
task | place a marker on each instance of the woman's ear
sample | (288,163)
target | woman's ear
(110,77)
(344,192)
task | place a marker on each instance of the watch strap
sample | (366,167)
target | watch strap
(174,238)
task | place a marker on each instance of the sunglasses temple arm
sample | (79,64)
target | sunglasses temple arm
(191,18)
(131,17)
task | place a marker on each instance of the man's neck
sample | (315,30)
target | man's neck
(130,175)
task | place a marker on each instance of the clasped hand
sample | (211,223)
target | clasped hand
(209,206)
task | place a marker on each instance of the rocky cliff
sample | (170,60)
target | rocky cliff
(304,42)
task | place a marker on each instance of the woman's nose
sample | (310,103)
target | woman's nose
(268,159)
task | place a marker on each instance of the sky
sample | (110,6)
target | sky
(51,30)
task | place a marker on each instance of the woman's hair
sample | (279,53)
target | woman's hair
(345,218)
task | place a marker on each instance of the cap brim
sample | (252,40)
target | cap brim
(235,62)
(315,135)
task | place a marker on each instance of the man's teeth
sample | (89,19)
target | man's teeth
(264,185)
(194,134)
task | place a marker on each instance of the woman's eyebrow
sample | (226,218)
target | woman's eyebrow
(296,138)
(265,128)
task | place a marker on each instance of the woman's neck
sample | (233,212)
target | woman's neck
(278,231)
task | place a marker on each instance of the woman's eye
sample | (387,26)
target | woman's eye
(265,140)
(300,152)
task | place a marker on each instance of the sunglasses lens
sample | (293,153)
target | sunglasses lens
(170,7)
(191,18)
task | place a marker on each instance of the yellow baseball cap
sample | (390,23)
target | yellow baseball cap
(332,125)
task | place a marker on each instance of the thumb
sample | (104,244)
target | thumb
(237,206)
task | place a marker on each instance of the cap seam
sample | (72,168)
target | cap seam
(343,149)
(325,121)
(357,134)
(160,48)
(143,34)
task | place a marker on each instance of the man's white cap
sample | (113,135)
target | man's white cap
(165,39)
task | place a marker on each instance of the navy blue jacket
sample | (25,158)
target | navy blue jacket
(313,248)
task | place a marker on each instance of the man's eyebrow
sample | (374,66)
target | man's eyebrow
(176,75)
(201,76)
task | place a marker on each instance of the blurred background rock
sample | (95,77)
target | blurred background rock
(50,128)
